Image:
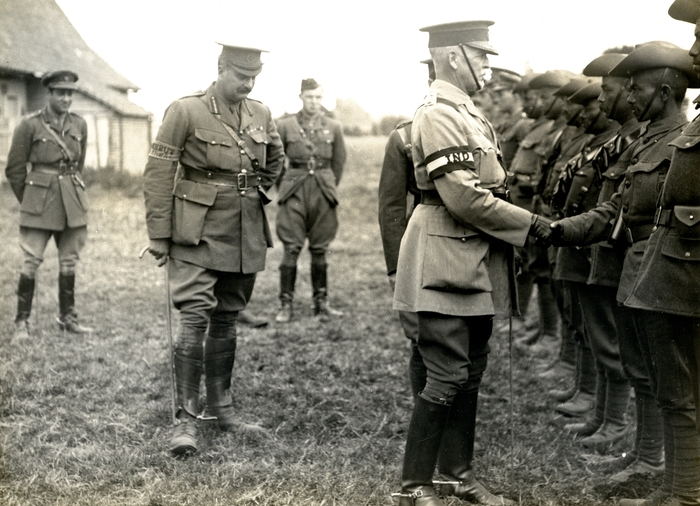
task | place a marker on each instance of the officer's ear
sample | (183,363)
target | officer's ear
(452,59)
(665,92)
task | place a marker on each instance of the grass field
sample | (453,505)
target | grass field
(86,420)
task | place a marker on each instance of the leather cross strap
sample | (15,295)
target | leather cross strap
(241,144)
(61,144)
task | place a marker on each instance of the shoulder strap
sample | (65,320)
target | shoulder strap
(403,134)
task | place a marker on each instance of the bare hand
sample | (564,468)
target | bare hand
(159,248)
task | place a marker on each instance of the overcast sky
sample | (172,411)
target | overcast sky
(365,50)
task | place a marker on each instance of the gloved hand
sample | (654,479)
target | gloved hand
(540,230)
(159,248)
(557,236)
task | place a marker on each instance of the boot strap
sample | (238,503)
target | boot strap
(416,494)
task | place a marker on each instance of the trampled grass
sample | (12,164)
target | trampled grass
(86,420)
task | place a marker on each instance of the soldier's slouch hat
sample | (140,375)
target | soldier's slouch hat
(655,55)
(685,10)
(601,66)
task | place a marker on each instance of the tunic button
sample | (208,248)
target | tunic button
(464,239)
(691,217)
(184,195)
(687,254)
(242,192)
(213,142)
(688,144)
(628,183)
(625,209)
(243,171)
(654,229)
(634,160)
(645,140)
(311,171)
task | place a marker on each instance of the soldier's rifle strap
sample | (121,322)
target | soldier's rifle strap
(59,141)
(241,144)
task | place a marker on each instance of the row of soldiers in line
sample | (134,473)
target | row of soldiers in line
(592,152)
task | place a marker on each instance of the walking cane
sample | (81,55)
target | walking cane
(168,329)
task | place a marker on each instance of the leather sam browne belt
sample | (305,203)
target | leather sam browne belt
(58,168)
(242,181)
(311,164)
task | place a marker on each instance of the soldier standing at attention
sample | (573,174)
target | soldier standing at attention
(314,146)
(453,264)
(44,168)
(211,224)
(659,74)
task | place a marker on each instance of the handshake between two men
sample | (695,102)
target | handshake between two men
(547,232)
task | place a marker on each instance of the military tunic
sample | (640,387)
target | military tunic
(43,178)
(452,258)
(667,289)
(307,191)
(214,213)
(398,193)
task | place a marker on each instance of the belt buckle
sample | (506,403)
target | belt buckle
(311,164)
(62,167)
(242,176)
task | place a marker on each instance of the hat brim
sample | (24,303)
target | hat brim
(62,86)
(246,72)
(484,46)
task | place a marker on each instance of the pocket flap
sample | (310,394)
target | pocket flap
(528,143)
(675,247)
(450,228)
(199,193)
(647,166)
(687,215)
(259,136)
(39,179)
(685,141)
(213,137)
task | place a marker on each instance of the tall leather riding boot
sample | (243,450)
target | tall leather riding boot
(583,400)
(422,449)
(219,355)
(319,286)
(188,374)
(68,319)
(684,447)
(563,395)
(593,423)
(288,278)
(456,476)
(615,424)
(25,296)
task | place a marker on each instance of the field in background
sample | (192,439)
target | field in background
(86,420)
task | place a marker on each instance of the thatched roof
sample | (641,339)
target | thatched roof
(36,36)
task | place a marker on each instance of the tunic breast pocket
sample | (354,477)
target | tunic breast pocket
(36,188)
(324,144)
(456,259)
(219,148)
(45,149)
(258,146)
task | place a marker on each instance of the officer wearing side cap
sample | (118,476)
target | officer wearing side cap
(659,74)
(315,149)
(44,167)
(210,222)
(453,264)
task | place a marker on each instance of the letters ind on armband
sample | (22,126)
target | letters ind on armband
(448,160)
(164,152)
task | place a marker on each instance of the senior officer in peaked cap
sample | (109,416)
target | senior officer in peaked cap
(210,222)
(44,167)
(659,74)
(453,264)
(315,148)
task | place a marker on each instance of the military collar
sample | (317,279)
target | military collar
(630,126)
(450,92)
(665,125)
(222,108)
(53,119)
